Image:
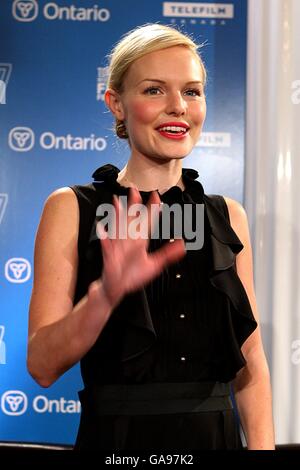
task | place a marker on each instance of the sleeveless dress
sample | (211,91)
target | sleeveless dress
(158,376)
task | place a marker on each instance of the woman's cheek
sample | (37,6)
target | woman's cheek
(144,112)
(202,111)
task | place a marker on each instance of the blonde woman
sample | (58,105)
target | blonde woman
(165,335)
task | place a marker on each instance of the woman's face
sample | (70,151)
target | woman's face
(163,103)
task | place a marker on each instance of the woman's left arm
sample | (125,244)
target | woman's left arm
(252,385)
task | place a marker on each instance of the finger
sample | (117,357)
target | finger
(135,218)
(134,196)
(154,209)
(154,199)
(134,186)
(119,215)
(168,254)
(104,241)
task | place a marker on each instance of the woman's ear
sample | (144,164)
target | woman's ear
(113,102)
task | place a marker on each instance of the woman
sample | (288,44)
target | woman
(162,335)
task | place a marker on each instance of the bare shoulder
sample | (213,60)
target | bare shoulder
(244,262)
(59,221)
(61,206)
(58,228)
(55,259)
(62,196)
(236,210)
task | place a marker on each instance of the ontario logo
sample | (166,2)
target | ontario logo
(14,403)
(22,139)
(199,13)
(28,10)
(25,10)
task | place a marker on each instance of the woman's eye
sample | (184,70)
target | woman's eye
(153,90)
(193,92)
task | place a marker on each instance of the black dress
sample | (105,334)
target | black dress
(158,377)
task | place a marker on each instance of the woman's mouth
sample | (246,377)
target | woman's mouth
(173,132)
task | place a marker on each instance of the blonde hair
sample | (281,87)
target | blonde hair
(137,43)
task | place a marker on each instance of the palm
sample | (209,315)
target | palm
(127,264)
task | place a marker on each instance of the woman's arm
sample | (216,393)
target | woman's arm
(252,384)
(59,333)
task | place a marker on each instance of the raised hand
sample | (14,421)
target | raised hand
(127,265)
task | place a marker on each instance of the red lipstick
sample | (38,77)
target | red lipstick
(173,130)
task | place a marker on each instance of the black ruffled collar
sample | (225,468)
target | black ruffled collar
(225,243)
(193,191)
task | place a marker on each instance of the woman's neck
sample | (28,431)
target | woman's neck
(147,175)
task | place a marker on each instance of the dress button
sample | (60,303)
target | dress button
(182,359)
(178,276)
(172,240)
(182,315)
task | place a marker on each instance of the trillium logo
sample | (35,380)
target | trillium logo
(21,139)
(14,403)
(25,10)
(28,10)
(17,270)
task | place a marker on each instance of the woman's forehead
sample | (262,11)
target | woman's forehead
(166,63)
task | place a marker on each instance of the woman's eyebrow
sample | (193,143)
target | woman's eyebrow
(198,82)
(151,80)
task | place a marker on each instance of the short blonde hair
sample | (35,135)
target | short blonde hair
(139,42)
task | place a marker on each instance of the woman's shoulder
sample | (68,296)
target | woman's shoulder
(64,195)
(60,205)
(238,218)
(75,199)
(235,207)
(69,195)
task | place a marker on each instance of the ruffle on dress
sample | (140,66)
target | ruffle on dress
(138,333)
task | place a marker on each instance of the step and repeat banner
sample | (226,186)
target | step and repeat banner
(55,131)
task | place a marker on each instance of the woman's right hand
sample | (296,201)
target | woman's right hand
(60,334)
(127,265)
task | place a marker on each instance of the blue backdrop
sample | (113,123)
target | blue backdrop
(55,131)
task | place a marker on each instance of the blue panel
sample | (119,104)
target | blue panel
(55,130)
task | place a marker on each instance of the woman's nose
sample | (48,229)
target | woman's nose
(176,104)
